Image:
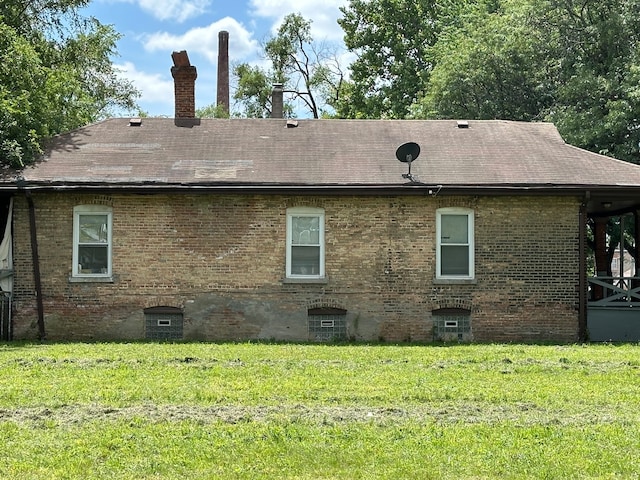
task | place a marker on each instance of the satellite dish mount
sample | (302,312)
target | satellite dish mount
(407,153)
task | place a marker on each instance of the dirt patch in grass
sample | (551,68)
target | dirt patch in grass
(441,413)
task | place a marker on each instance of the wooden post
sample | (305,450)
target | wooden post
(582,281)
(36,267)
(635,283)
(600,240)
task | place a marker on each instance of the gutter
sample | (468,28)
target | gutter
(409,188)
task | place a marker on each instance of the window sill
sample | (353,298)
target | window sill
(319,281)
(90,279)
(455,281)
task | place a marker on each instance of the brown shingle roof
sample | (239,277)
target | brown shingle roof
(323,153)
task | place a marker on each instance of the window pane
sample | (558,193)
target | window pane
(454,229)
(454,260)
(305,230)
(92,259)
(93,229)
(305,260)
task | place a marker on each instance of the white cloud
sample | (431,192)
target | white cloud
(323,15)
(154,87)
(178,10)
(204,41)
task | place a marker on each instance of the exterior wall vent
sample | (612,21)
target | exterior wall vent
(451,324)
(163,323)
(327,324)
(463,124)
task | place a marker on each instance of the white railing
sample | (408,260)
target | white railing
(614,291)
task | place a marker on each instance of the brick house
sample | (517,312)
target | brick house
(233,229)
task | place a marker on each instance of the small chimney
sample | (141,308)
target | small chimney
(223,71)
(184,82)
(277,101)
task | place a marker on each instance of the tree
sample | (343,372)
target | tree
(309,72)
(576,64)
(598,95)
(56,75)
(393,41)
(254,91)
(212,111)
(19,136)
(495,65)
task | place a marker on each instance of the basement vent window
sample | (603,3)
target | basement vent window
(163,323)
(451,324)
(327,324)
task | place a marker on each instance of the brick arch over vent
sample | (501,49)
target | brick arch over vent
(453,303)
(327,303)
(326,311)
(162,310)
(451,311)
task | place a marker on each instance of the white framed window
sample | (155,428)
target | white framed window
(305,242)
(92,225)
(455,243)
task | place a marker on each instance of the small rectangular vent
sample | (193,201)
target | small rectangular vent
(327,328)
(447,328)
(163,325)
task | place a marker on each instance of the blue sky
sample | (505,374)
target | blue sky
(152,29)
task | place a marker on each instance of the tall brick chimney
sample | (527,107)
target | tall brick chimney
(277,101)
(184,83)
(223,71)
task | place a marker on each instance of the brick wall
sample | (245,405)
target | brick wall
(221,259)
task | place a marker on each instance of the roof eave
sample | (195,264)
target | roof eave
(409,188)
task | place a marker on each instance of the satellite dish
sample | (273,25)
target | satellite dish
(407,153)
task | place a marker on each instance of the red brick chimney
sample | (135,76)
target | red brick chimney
(223,71)
(184,83)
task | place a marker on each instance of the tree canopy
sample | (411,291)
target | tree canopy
(598,86)
(56,75)
(494,65)
(575,63)
(393,41)
(309,72)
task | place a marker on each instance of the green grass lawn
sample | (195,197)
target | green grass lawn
(206,411)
